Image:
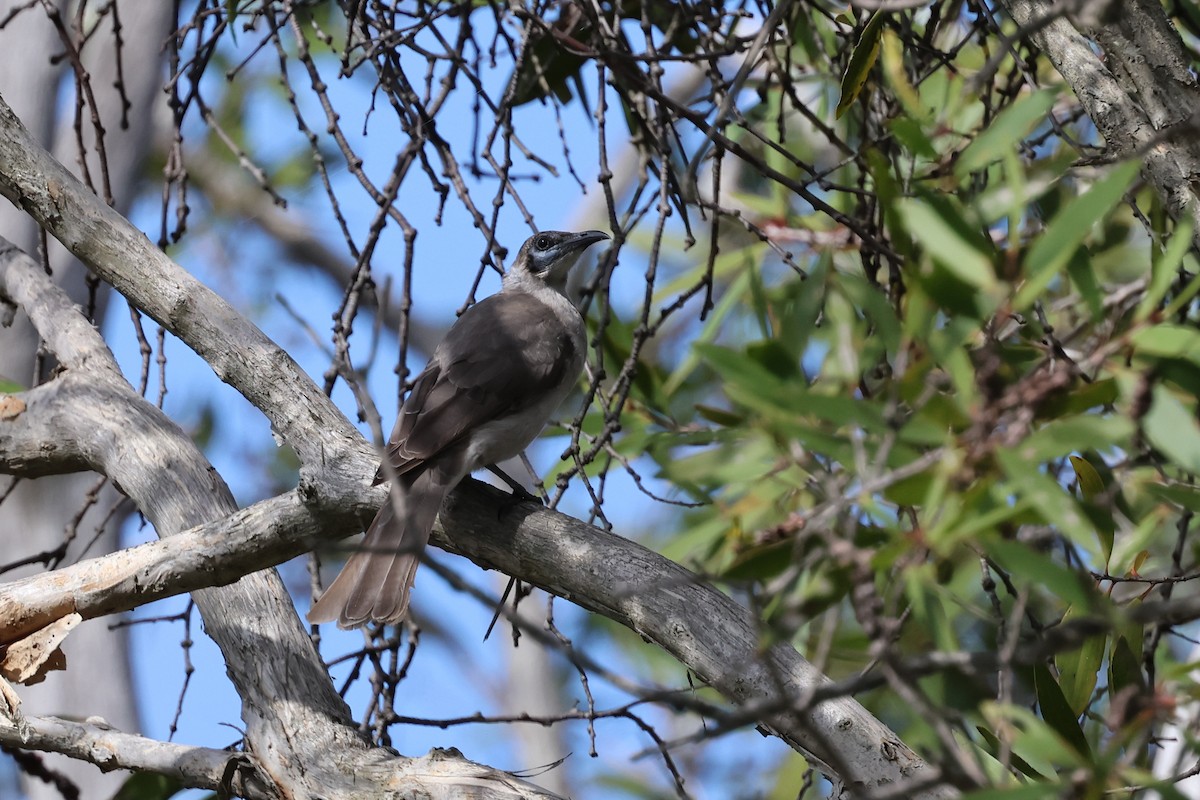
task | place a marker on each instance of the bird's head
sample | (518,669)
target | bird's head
(548,256)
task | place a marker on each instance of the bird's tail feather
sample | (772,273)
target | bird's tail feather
(376,581)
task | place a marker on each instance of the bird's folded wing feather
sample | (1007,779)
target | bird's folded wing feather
(502,355)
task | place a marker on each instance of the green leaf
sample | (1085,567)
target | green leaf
(943,238)
(729,302)
(1052,501)
(801,27)
(1171,427)
(1163,271)
(728,419)
(1088,396)
(1091,485)
(1011,125)
(1060,437)
(774,356)
(1032,791)
(1167,340)
(231,13)
(1183,298)
(866,52)
(1057,711)
(1078,670)
(893,69)
(873,304)
(1089,479)
(1066,232)
(1124,667)
(911,134)
(1083,276)
(761,563)
(1032,738)
(1037,569)
(10,387)
(547,65)
(1017,762)
(736,369)
(910,491)
(1184,496)
(148,786)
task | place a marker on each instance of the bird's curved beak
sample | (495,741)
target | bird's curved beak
(583,240)
(568,252)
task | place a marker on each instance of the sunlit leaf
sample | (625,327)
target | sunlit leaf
(1017,762)
(1168,340)
(1011,125)
(944,239)
(1089,480)
(1181,494)
(861,61)
(893,68)
(1171,427)
(1091,485)
(1051,251)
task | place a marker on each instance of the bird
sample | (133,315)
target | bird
(487,391)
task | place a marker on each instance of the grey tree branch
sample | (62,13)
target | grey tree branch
(440,774)
(110,749)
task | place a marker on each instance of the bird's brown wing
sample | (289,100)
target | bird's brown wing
(502,355)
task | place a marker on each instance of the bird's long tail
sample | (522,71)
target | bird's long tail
(377,579)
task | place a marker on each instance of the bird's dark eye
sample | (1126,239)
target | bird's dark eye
(542,243)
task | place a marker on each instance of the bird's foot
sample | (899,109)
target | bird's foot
(519,494)
(522,495)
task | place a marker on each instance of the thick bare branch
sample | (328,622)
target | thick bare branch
(440,774)
(110,749)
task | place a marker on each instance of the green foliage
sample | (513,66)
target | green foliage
(996,439)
